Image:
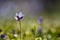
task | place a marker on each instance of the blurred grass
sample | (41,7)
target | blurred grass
(28,23)
(7,25)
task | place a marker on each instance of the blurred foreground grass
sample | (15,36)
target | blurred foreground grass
(29,30)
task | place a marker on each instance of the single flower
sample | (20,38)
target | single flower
(19,16)
(40,19)
(39,32)
(3,36)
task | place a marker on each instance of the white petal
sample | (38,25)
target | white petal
(16,18)
(21,14)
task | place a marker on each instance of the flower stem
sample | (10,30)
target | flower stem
(20,28)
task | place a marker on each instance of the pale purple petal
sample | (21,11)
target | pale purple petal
(40,19)
(39,30)
(21,15)
(17,14)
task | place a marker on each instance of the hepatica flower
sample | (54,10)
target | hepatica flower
(3,36)
(40,19)
(19,16)
(39,30)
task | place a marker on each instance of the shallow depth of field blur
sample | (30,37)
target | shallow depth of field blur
(32,10)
